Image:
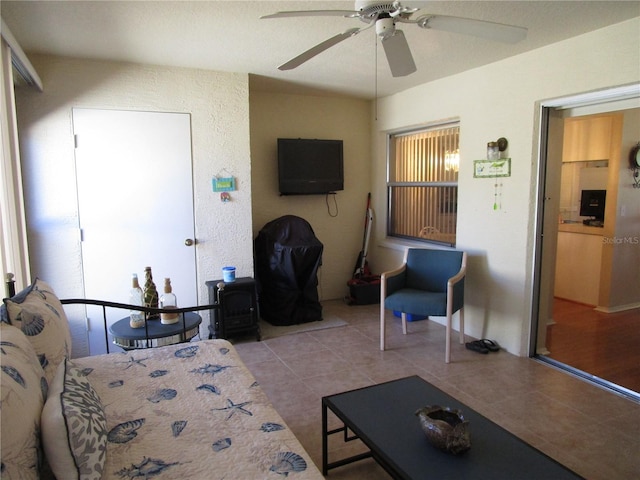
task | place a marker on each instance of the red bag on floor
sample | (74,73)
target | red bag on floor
(364,290)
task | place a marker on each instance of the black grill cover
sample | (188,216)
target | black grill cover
(288,255)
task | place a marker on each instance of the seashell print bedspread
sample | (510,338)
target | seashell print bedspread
(191,411)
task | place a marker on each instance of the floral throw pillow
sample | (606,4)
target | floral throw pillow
(39,314)
(24,390)
(74,426)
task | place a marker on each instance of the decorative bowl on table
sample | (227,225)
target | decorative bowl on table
(445,428)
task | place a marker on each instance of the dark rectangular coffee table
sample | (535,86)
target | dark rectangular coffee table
(382,417)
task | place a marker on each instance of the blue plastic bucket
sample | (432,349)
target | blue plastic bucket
(228,274)
(410,316)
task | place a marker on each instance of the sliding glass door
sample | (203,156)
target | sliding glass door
(586,315)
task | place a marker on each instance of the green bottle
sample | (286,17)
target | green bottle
(150,293)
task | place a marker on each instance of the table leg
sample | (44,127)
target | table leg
(326,466)
(325,443)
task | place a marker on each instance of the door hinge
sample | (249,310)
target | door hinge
(81,235)
(75,140)
(88,324)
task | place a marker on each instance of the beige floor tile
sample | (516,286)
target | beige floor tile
(255,352)
(289,346)
(367,354)
(330,383)
(312,364)
(342,337)
(590,430)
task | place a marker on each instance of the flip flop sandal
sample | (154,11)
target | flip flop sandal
(490,345)
(477,346)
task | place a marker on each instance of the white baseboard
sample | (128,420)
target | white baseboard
(619,308)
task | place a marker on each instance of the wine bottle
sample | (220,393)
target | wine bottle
(150,292)
(168,300)
(136,317)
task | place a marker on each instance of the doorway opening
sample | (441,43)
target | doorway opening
(586,304)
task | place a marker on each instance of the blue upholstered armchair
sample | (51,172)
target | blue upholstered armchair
(428,283)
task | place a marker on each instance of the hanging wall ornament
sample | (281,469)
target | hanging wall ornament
(497,194)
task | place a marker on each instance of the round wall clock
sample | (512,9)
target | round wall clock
(634,156)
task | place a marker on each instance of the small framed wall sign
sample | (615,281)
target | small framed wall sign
(492,168)
(226,184)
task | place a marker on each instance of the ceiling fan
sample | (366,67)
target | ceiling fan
(384,16)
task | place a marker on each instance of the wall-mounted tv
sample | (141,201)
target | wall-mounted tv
(307,167)
(592,204)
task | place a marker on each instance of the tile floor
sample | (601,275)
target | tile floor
(592,431)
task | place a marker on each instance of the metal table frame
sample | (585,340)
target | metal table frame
(382,417)
(147,311)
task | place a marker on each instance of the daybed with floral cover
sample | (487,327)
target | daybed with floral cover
(189,411)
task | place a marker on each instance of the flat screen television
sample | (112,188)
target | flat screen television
(307,167)
(592,204)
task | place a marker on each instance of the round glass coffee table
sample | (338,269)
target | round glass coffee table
(155,334)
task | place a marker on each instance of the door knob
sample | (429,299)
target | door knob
(189,242)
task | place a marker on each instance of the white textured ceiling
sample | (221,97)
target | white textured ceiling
(230,36)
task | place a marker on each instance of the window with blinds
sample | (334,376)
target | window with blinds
(422,184)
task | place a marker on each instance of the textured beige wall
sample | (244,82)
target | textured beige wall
(494,101)
(625,288)
(338,225)
(219,108)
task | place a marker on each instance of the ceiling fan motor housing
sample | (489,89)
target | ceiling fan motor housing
(371,9)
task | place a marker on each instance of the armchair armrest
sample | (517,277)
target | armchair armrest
(461,273)
(391,281)
(455,287)
(457,277)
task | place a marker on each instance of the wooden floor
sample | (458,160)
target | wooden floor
(603,344)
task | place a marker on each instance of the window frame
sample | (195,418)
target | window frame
(389,185)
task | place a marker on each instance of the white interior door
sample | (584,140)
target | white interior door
(135,197)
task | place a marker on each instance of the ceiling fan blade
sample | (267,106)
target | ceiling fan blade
(313,13)
(321,47)
(478,28)
(398,54)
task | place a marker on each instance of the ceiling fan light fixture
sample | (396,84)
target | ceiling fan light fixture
(385,27)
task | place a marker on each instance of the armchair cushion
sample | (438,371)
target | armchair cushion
(430,269)
(418,302)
